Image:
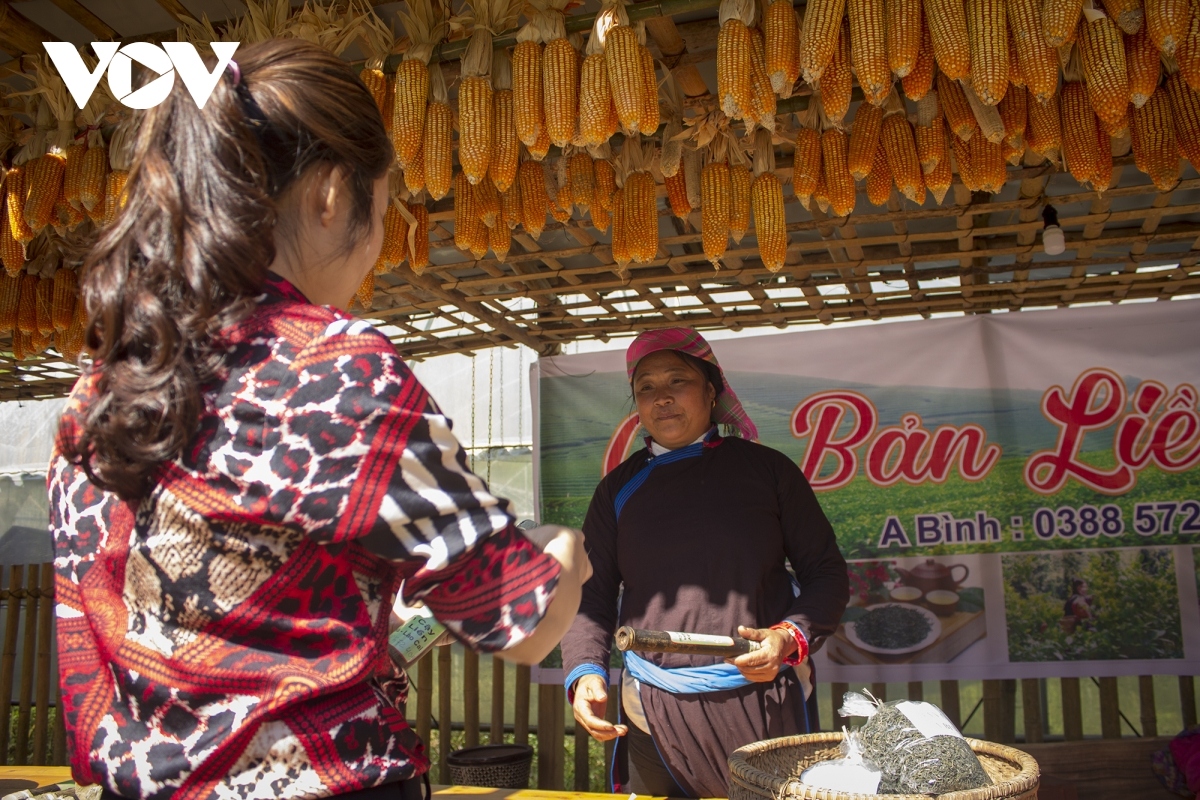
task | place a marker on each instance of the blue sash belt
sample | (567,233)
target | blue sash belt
(719,677)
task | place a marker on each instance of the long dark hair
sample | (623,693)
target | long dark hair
(190,247)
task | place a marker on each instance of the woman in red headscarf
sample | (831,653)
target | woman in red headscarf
(695,533)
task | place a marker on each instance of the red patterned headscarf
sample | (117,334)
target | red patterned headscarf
(729,409)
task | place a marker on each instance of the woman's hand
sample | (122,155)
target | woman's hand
(763,664)
(591,701)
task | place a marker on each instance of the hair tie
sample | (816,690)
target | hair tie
(237,72)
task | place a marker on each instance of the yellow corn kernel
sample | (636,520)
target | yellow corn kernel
(987,22)
(806,162)
(595,101)
(418,255)
(938,181)
(819,37)
(1167,22)
(10,301)
(414,173)
(114,198)
(502,167)
(677,195)
(931,145)
(475,127)
(43,184)
(1059,18)
(410,93)
(739,201)
(879,182)
(436,155)
(601,218)
(919,81)
(1104,70)
(1044,130)
(868,49)
(15,193)
(1013,113)
(534,200)
(606,184)
(641,216)
(377,84)
(1103,174)
(1079,135)
(92,177)
(560,90)
(528,103)
(581,177)
(959,117)
(762,97)
(947,20)
(1154,147)
(901,152)
(541,146)
(500,239)
(487,202)
(12,252)
(625,76)
(837,78)
(714,210)
(735,87)
(864,139)
(839,183)
(650,111)
(904,26)
(1144,64)
(770,224)
(782,46)
(466,214)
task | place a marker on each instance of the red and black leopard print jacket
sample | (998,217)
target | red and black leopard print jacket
(226,636)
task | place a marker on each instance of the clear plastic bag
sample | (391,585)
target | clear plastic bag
(850,773)
(915,745)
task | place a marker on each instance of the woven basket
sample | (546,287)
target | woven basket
(771,770)
(501,766)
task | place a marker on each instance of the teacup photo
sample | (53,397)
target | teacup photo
(906,594)
(942,602)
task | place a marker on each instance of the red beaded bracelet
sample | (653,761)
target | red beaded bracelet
(801,642)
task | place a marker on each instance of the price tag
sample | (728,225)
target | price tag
(416,635)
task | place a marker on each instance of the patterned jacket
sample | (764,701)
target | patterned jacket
(226,636)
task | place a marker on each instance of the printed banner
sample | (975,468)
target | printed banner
(1018,495)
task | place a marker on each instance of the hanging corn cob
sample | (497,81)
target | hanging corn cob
(1014,115)
(581,175)
(475,92)
(93,174)
(620,238)
(606,181)
(1154,147)
(487,202)
(75,156)
(960,119)
(715,189)
(560,79)
(120,156)
(506,147)
(466,214)
(919,80)
(1187,54)
(837,79)
(640,212)
(27,307)
(623,58)
(63,293)
(819,37)
(1043,132)
(418,236)
(1127,14)
(740,181)
(987,24)
(1079,130)
(782,36)
(1059,18)
(434,162)
(597,112)
(1144,64)
(12,252)
(929,134)
(366,292)
(947,20)
(991,126)
(762,98)
(835,169)
(868,49)
(1167,22)
(901,150)
(500,237)
(510,204)
(651,112)
(1185,115)
(904,24)
(15,193)
(1103,175)
(864,139)
(426,28)
(820,194)
(806,164)
(541,147)
(70,342)
(1104,70)
(735,79)
(48,150)
(676,186)
(376,39)
(766,194)
(962,160)
(534,200)
(938,182)
(528,100)
(879,182)
(10,300)
(558,189)
(1015,76)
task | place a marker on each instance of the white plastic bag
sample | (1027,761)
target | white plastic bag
(850,773)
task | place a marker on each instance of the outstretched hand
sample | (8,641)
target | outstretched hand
(591,701)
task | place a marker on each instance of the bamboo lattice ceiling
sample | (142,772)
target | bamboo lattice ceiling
(974,253)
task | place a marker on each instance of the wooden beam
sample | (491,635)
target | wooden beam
(672,46)
(21,34)
(78,12)
(176,9)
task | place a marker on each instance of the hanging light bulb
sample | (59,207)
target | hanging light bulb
(1053,241)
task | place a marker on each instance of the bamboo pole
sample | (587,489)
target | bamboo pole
(1031,705)
(582,742)
(951,702)
(424,696)
(444,712)
(1146,701)
(45,633)
(8,658)
(547,751)
(521,706)
(1072,709)
(470,698)
(496,734)
(1110,709)
(28,653)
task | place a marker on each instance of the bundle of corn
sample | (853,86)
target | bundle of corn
(626,69)
(560,78)
(864,139)
(1079,129)
(535,202)
(597,111)
(433,168)
(835,168)
(868,49)
(782,34)
(960,119)
(1043,132)
(901,150)
(475,90)
(1155,150)
(762,97)
(947,21)
(735,45)
(1187,53)
(836,83)
(766,195)
(376,39)
(506,147)
(819,37)
(1014,115)
(418,237)
(806,163)
(1144,64)
(930,134)
(1104,69)
(987,25)
(10,299)
(879,182)
(918,82)
(1185,113)
(1059,18)
(640,204)
(904,25)
(1036,57)
(426,27)
(1167,22)
(528,101)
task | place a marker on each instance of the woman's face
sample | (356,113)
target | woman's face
(674,399)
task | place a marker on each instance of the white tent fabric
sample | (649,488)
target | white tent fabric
(28,438)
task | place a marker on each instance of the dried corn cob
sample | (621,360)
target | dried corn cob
(601,219)
(22,346)
(770,225)
(510,204)
(1168,22)
(1104,70)
(988,27)
(762,97)
(10,300)
(466,214)
(528,108)
(959,117)
(677,195)
(864,139)
(735,86)
(624,62)
(500,237)
(66,216)
(43,183)
(114,199)
(641,216)
(782,47)
(931,145)
(1104,162)
(1144,65)
(27,307)
(820,194)
(879,182)
(868,49)
(904,31)
(1154,146)
(408,109)
(475,126)
(962,160)
(595,101)
(418,237)
(502,167)
(1044,130)
(947,20)
(1185,116)
(819,37)
(581,176)
(487,202)
(714,210)
(15,194)
(414,174)
(739,201)
(1079,132)
(560,90)
(938,181)
(1127,14)
(76,154)
(620,238)
(1015,76)
(1013,113)
(436,159)
(919,81)
(366,292)
(93,177)
(650,110)
(901,152)
(606,184)
(1059,18)
(837,79)
(1187,54)
(12,252)
(377,84)
(806,165)
(835,145)
(63,295)
(541,146)
(534,200)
